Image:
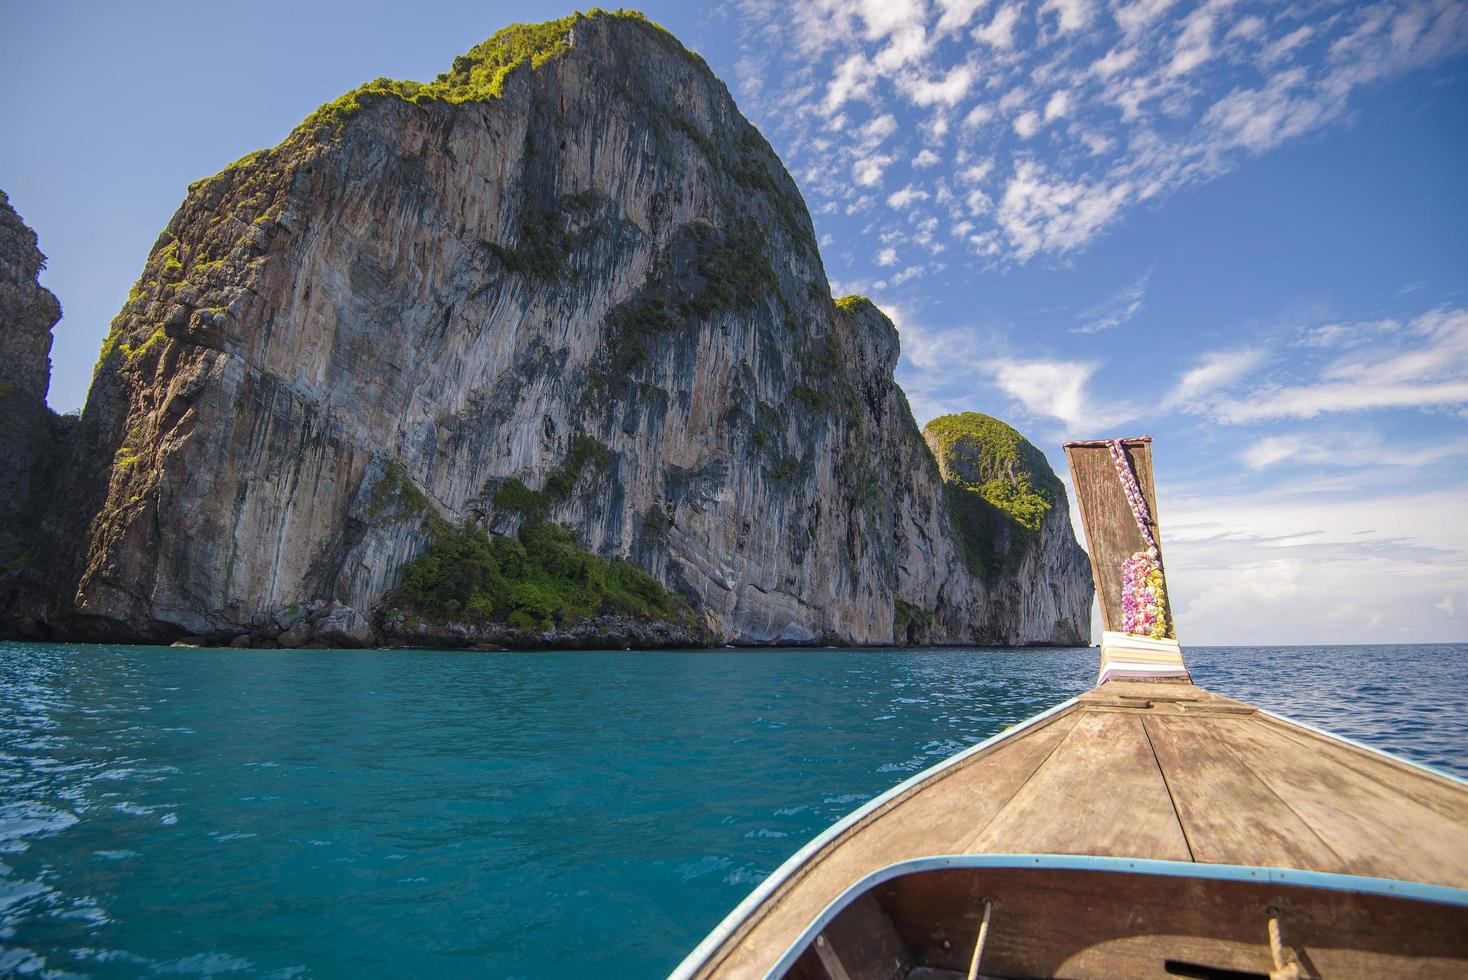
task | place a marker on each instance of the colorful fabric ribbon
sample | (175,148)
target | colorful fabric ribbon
(1133,492)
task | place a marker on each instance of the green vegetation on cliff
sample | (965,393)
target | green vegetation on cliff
(479,75)
(999,488)
(725,270)
(540,577)
(982,454)
(905,616)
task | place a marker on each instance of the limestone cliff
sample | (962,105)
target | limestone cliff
(31,436)
(564,283)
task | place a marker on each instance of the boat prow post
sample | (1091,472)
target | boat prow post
(1117,496)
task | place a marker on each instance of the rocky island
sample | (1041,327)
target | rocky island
(539,353)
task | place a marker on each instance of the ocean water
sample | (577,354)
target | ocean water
(416,814)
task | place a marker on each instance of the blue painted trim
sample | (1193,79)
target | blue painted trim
(1326,881)
(770,885)
(1346,740)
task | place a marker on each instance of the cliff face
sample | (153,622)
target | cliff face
(31,437)
(569,262)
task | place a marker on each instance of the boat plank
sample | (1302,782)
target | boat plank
(1229,814)
(1060,810)
(935,817)
(1446,796)
(1374,827)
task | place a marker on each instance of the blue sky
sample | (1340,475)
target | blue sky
(1239,227)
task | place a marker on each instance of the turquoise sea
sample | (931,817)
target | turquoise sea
(425,814)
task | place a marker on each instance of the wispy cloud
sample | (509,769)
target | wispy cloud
(1084,109)
(1423,364)
(1217,370)
(1116,310)
(1348,450)
(1053,389)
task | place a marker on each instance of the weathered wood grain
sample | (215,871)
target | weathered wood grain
(1100,792)
(1230,815)
(1111,530)
(1373,825)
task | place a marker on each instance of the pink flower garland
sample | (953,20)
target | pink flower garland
(1143,592)
(1143,596)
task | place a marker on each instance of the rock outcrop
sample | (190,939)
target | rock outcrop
(31,436)
(1013,524)
(566,282)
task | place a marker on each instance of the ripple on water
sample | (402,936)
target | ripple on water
(416,813)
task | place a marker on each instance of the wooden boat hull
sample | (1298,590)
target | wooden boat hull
(1148,771)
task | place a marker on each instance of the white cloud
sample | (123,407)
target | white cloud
(1058,107)
(1053,389)
(927,158)
(1195,44)
(999,32)
(1133,17)
(1027,124)
(1116,60)
(887,17)
(1219,369)
(867,171)
(1279,566)
(854,79)
(1447,607)
(1315,400)
(907,47)
(1347,450)
(906,197)
(1040,212)
(1283,47)
(976,172)
(887,256)
(876,130)
(947,90)
(957,14)
(1260,119)
(977,116)
(1155,95)
(1072,15)
(1246,28)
